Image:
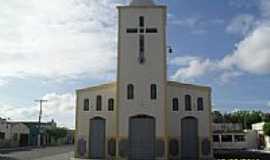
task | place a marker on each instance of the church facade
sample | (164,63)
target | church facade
(143,116)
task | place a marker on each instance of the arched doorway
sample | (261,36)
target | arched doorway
(142,138)
(189,139)
(97,138)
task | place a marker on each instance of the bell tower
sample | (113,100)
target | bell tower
(141,73)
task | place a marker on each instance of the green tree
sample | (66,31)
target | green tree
(217,117)
(246,118)
(266,129)
(266,117)
(57,133)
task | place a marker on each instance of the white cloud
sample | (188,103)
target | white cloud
(59,103)
(252,55)
(18,113)
(226,76)
(60,107)
(184,60)
(57,39)
(268,103)
(3,82)
(241,24)
(192,67)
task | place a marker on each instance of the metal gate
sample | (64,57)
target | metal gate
(189,139)
(97,138)
(142,138)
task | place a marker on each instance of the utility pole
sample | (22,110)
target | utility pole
(41,101)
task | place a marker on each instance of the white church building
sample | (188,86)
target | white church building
(143,116)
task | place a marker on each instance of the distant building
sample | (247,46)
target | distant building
(34,127)
(25,133)
(233,136)
(263,140)
(227,127)
(13,134)
(68,139)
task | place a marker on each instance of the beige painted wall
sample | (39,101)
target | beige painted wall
(174,117)
(83,117)
(179,90)
(174,89)
(154,70)
(142,75)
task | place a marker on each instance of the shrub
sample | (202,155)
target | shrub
(266,129)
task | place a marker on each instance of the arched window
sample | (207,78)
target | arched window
(187,102)
(99,103)
(200,104)
(153,89)
(175,104)
(111,104)
(130,91)
(86,104)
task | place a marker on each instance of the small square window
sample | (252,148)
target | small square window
(239,138)
(226,138)
(215,138)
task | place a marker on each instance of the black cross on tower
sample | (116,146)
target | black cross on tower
(141,31)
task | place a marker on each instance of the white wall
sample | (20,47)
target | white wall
(249,143)
(174,117)
(11,129)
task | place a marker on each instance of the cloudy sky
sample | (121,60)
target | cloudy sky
(50,48)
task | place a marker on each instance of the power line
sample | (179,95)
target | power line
(41,101)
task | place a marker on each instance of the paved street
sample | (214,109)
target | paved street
(48,153)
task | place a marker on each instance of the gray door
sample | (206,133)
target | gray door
(189,139)
(97,138)
(142,138)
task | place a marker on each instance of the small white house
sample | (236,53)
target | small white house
(263,140)
(13,134)
(232,136)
